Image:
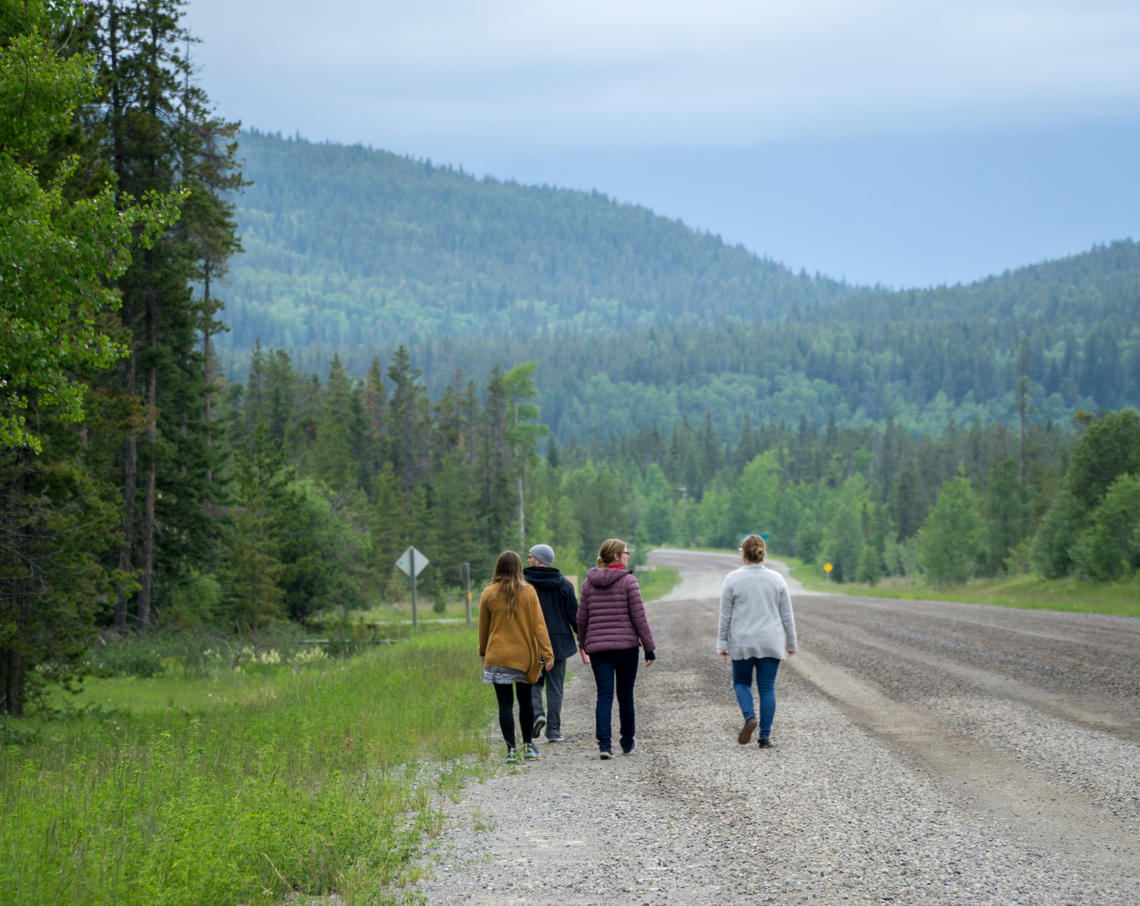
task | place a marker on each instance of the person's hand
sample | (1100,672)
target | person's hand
(548,667)
(790,653)
(585,657)
(723,655)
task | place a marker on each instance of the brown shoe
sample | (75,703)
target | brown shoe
(750,726)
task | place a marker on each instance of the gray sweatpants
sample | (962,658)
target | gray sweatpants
(553,681)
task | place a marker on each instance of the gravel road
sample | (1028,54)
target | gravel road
(925,753)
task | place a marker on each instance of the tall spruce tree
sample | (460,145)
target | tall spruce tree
(499,497)
(160,136)
(333,463)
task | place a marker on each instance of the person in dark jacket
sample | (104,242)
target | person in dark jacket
(560,610)
(611,624)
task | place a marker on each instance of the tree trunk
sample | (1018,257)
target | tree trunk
(130,487)
(15,681)
(206,363)
(522,512)
(145,591)
(17,600)
(130,442)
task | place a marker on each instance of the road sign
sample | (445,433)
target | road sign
(412,562)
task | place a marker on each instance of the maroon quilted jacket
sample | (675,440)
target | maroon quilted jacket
(611,615)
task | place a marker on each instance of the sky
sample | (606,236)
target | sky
(902,143)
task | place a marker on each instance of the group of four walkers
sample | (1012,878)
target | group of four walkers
(529,618)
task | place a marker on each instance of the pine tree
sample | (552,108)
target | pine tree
(499,498)
(387,528)
(375,412)
(254,595)
(409,420)
(159,136)
(523,430)
(333,462)
(1005,513)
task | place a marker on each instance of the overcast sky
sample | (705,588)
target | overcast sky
(902,142)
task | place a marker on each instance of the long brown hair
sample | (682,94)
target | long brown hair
(509,577)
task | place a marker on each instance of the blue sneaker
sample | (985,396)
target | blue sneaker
(531,751)
(512,756)
(606,754)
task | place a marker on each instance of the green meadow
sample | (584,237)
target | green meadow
(244,782)
(247,774)
(1027,592)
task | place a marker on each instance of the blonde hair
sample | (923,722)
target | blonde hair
(509,577)
(611,551)
(753,548)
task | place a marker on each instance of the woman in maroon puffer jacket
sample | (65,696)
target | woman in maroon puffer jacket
(611,623)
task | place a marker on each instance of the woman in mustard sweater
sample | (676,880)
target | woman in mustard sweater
(514,647)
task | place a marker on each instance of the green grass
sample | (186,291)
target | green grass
(1024,591)
(393,620)
(355,630)
(244,785)
(658,582)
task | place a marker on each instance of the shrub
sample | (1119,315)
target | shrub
(126,657)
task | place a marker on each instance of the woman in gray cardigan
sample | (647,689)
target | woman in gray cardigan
(757,628)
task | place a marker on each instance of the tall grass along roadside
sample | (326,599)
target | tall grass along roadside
(308,781)
(1026,592)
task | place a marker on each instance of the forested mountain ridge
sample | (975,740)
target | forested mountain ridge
(346,245)
(638,320)
(1090,287)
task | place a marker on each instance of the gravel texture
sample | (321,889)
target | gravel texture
(925,753)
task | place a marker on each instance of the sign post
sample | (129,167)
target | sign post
(467,588)
(412,563)
(827,569)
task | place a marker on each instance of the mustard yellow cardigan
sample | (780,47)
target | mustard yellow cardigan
(521,641)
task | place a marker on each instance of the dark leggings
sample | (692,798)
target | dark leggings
(507,715)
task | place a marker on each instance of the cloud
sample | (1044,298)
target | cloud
(718,73)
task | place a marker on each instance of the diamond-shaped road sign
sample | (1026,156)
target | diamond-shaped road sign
(408,558)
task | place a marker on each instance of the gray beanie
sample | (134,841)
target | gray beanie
(544,553)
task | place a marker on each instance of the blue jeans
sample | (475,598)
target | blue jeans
(614,670)
(766,668)
(554,681)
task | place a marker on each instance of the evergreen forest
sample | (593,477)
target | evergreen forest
(241,374)
(640,321)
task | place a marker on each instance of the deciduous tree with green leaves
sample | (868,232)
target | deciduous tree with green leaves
(58,252)
(950,542)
